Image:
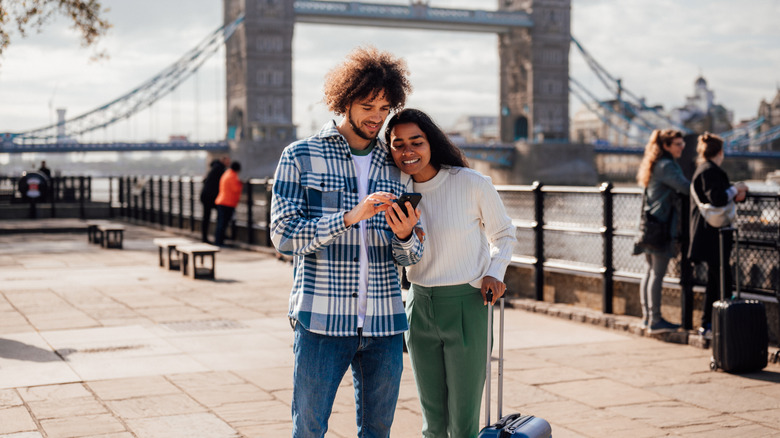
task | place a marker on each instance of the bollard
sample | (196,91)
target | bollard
(539,240)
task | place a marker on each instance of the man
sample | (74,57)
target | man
(229,195)
(345,305)
(209,192)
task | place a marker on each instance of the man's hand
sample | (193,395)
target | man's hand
(401,224)
(368,207)
(742,190)
(498,287)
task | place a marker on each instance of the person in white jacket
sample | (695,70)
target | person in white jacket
(469,240)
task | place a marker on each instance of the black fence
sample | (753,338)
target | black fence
(577,229)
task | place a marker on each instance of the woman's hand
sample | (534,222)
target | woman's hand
(497,286)
(368,207)
(401,224)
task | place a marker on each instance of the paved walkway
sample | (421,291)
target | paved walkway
(103,343)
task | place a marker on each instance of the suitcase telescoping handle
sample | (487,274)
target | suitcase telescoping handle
(724,262)
(489,296)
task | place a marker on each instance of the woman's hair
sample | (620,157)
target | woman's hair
(708,147)
(365,74)
(443,152)
(653,151)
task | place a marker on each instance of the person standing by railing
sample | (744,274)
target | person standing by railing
(229,195)
(711,186)
(209,192)
(663,179)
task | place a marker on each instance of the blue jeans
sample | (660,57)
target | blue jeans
(320,364)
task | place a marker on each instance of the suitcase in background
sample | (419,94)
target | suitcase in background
(512,425)
(740,341)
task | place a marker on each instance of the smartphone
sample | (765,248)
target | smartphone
(414,198)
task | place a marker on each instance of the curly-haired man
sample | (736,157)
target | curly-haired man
(345,305)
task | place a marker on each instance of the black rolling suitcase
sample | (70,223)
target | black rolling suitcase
(512,425)
(739,328)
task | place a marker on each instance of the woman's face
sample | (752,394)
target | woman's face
(676,148)
(411,151)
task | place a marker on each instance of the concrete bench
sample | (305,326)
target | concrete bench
(168,256)
(193,259)
(92,230)
(110,235)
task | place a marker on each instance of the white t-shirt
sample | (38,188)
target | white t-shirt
(362,167)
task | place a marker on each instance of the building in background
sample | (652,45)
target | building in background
(770,111)
(475,129)
(700,112)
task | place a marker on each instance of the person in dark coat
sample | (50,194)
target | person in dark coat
(712,186)
(209,192)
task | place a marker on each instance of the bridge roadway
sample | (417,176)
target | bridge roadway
(97,342)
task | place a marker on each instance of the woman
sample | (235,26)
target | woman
(663,180)
(468,245)
(712,186)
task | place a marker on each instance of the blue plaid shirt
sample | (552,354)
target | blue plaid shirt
(314,186)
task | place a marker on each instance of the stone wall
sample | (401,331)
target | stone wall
(585,290)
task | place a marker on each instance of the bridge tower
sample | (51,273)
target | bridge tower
(259,83)
(534,69)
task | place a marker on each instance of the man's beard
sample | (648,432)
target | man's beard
(357,130)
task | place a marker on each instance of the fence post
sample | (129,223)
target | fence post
(53,196)
(539,240)
(110,196)
(250,223)
(686,268)
(192,205)
(161,209)
(608,231)
(181,202)
(82,214)
(170,201)
(89,188)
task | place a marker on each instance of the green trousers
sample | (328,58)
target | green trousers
(447,342)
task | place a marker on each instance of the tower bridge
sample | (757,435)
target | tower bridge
(533,46)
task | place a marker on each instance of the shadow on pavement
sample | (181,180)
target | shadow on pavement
(16,350)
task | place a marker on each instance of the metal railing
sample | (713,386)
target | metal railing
(575,229)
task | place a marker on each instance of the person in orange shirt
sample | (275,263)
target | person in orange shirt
(229,194)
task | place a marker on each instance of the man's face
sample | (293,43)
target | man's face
(367,116)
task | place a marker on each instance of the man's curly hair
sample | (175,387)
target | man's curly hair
(364,74)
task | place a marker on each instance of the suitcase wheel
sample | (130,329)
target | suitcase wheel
(713,365)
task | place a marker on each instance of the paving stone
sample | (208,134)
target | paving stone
(664,415)
(182,426)
(553,374)
(155,406)
(602,393)
(16,419)
(120,389)
(719,397)
(22,435)
(9,398)
(55,392)
(63,408)
(82,426)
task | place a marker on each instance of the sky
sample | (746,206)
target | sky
(658,48)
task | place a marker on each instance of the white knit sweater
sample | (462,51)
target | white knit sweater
(468,234)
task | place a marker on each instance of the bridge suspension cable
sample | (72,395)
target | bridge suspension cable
(616,87)
(140,97)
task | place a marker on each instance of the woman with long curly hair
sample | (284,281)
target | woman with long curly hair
(712,186)
(663,180)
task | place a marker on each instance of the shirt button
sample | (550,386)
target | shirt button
(356,226)
(354,294)
(354,190)
(322,184)
(355,259)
